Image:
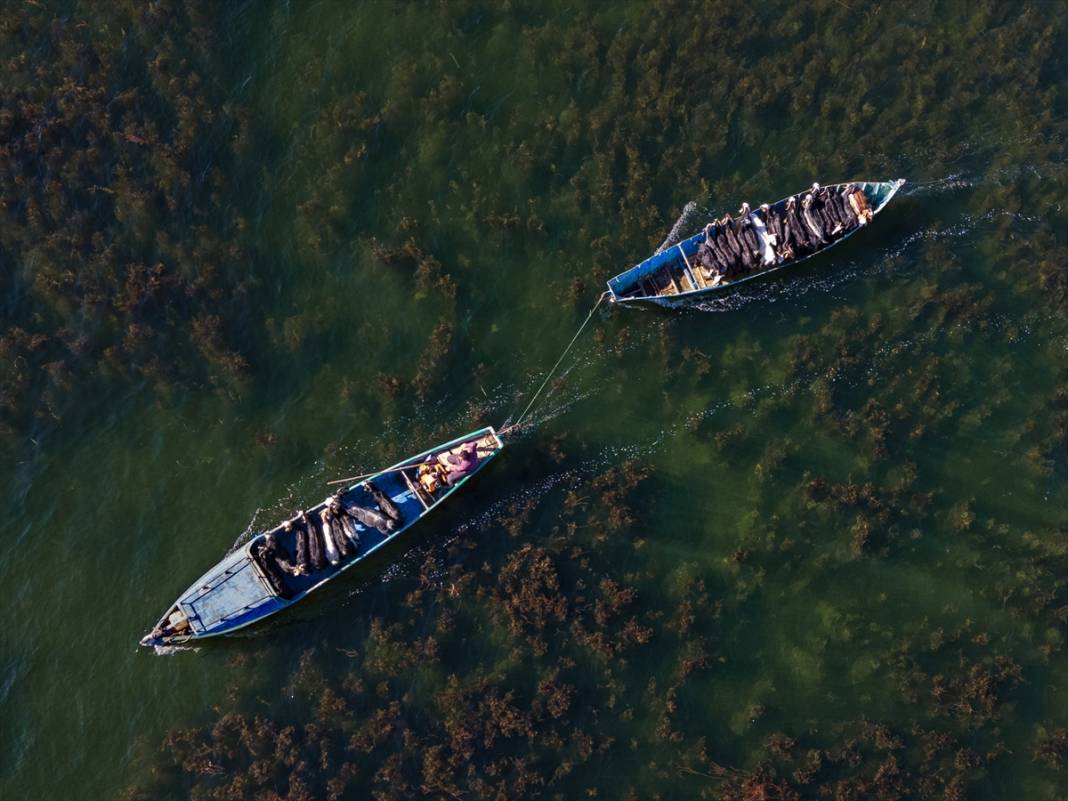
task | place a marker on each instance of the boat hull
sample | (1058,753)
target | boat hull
(621,289)
(236,593)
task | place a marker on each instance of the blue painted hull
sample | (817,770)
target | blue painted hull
(627,287)
(236,593)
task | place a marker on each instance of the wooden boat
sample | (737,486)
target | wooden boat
(672,277)
(238,591)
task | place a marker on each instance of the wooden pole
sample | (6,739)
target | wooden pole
(372,475)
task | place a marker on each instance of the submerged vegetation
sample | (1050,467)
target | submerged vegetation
(811,547)
(120,253)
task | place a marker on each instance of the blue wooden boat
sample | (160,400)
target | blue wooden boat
(671,278)
(238,591)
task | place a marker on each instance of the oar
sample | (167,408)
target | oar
(371,475)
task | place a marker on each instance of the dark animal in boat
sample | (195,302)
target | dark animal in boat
(748,235)
(301,537)
(330,551)
(811,219)
(251,582)
(710,261)
(719,243)
(369,517)
(347,523)
(315,542)
(332,529)
(848,190)
(730,239)
(385,504)
(835,208)
(786,236)
(715,240)
(821,213)
(742,229)
(706,253)
(274,563)
(772,227)
(772,221)
(802,237)
(760,241)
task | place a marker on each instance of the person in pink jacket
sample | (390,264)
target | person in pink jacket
(461,464)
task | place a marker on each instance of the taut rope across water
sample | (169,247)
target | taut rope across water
(549,375)
(504,430)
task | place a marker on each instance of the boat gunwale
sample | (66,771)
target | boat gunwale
(285,603)
(681,298)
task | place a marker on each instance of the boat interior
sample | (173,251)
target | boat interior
(403,487)
(675,272)
(239,582)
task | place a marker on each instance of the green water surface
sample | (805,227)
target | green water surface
(849,527)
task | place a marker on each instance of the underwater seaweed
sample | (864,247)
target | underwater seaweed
(808,547)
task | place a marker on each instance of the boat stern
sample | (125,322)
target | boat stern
(231,595)
(173,628)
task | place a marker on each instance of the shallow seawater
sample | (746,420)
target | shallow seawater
(805,540)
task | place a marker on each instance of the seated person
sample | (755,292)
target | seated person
(460,464)
(176,624)
(429,476)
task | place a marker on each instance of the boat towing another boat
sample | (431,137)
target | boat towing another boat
(261,577)
(257,579)
(674,276)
